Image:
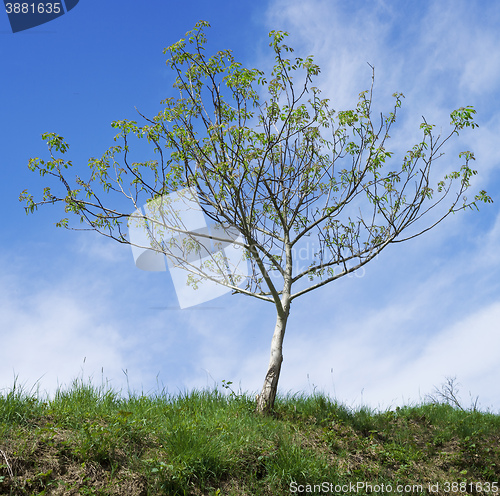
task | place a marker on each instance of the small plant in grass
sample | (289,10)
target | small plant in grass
(448,393)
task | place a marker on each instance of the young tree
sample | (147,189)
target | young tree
(271,161)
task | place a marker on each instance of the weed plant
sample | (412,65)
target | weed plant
(90,440)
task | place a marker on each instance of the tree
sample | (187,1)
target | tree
(277,171)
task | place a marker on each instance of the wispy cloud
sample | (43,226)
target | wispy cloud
(49,333)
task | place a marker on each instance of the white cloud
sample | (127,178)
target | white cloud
(440,55)
(48,335)
(390,358)
(468,349)
(74,313)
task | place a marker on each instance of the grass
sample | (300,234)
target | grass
(89,440)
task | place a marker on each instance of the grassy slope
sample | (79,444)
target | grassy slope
(90,440)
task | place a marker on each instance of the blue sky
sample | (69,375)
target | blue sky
(73,303)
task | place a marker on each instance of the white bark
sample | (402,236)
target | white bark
(265,401)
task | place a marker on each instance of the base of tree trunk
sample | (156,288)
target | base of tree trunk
(265,400)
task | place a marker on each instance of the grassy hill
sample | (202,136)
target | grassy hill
(90,440)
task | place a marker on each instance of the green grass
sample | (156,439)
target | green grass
(89,440)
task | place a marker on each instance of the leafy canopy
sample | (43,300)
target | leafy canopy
(267,155)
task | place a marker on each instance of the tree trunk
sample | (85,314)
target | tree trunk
(265,401)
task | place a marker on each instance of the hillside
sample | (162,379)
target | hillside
(90,440)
